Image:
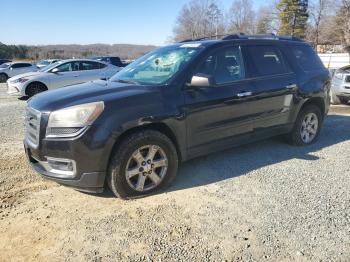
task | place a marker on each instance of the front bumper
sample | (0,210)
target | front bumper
(14,89)
(90,153)
(342,89)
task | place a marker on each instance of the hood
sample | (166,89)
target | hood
(85,93)
(28,75)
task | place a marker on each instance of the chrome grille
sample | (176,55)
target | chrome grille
(32,126)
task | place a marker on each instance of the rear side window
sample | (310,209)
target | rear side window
(267,61)
(21,65)
(306,57)
(89,65)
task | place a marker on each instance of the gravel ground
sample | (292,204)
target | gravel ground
(267,201)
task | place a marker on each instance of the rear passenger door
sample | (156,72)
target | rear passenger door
(91,70)
(274,85)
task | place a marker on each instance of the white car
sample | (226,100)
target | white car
(41,64)
(340,88)
(9,70)
(60,74)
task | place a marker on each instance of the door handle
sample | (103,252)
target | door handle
(244,94)
(291,86)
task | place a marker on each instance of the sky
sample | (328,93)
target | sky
(41,22)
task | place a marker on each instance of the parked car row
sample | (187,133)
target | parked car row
(8,70)
(59,74)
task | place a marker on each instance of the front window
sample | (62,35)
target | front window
(159,66)
(49,67)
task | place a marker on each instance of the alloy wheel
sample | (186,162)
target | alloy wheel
(309,128)
(146,168)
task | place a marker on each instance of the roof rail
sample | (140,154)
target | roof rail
(244,36)
(203,38)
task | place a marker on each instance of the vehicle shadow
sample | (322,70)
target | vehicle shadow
(244,159)
(241,160)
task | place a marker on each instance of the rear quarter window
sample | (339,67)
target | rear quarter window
(267,60)
(306,57)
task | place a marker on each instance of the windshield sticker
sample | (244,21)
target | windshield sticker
(191,45)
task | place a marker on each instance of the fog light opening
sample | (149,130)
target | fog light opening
(64,167)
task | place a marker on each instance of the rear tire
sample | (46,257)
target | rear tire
(143,163)
(307,127)
(3,78)
(35,88)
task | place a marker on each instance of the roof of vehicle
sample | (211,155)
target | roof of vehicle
(78,59)
(49,60)
(345,69)
(211,40)
(19,62)
(105,56)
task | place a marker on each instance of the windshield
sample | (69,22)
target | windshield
(6,65)
(158,66)
(49,67)
(43,62)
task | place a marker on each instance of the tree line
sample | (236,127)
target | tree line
(320,22)
(124,51)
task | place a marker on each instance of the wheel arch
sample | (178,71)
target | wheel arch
(317,101)
(158,126)
(3,73)
(35,82)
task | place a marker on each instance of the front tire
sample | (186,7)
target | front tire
(35,88)
(307,127)
(344,100)
(3,78)
(143,163)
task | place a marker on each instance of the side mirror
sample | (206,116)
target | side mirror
(202,80)
(55,70)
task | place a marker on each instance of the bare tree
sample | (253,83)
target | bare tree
(215,20)
(241,17)
(266,20)
(344,19)
(318,12)
(199,18)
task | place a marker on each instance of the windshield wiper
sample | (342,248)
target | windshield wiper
(127,81)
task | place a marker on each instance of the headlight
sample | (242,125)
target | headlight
(20,80)
(71,121)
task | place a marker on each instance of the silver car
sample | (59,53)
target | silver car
(8,70)
(340,89)
(60,74)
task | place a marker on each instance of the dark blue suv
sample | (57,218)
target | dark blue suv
(173,104)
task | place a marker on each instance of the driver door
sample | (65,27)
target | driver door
(218,114)
(67,74)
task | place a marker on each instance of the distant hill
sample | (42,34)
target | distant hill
(125,51)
